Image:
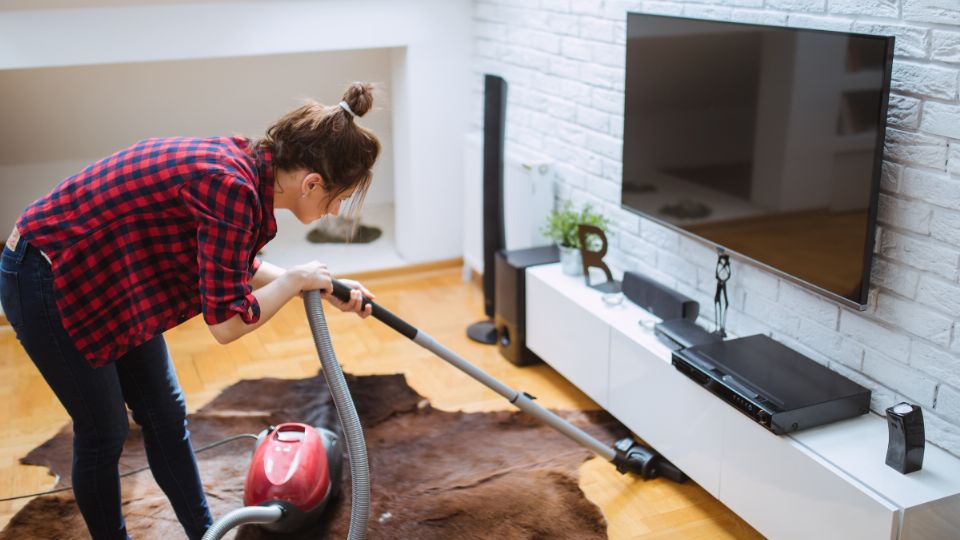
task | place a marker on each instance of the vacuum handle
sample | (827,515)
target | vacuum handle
(342,291)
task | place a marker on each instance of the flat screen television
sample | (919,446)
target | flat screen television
(764,141)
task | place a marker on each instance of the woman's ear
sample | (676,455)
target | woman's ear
(310,184)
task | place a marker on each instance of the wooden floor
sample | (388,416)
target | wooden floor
(435,300)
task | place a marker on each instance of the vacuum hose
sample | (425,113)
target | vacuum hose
(356,446)
(352,431)
(243,516)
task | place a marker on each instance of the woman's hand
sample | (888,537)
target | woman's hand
(311,276)
(273,293)
(355,303)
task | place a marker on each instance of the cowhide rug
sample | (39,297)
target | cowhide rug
(434,474)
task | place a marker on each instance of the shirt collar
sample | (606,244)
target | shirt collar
(263,159)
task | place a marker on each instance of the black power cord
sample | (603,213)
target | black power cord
(135,471)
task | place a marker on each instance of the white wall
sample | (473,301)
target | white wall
(58,120)
(73,4)
(564,62)
(428,40)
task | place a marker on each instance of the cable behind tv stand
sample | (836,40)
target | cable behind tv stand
(825,482)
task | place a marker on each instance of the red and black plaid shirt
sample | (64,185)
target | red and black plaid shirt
(152,236)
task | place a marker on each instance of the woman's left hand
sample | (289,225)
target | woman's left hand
(356,299)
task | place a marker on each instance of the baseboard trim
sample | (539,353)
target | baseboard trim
(443,264)
(476,278)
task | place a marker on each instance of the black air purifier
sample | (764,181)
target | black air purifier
(494,123)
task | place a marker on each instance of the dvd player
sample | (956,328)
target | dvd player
(683,333)
(774,385)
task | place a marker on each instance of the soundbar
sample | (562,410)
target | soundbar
(657,298)
(777,387)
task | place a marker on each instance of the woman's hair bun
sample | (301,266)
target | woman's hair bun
(359,96)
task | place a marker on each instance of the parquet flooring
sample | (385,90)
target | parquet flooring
(434,300)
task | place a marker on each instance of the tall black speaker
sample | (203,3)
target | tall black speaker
(494,124)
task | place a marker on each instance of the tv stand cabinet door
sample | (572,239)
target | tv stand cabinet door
(572,340)
(785,491)
(671,413)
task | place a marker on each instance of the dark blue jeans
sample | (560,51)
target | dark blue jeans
(144,379)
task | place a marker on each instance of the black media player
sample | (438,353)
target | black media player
(779,388)
(683,333)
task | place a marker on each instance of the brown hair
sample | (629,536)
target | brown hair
(327,140)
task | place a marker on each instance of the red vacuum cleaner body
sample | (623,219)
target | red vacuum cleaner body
(297,467)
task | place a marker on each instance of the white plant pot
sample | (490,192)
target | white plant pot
(570,261)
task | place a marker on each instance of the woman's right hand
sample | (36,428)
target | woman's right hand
(273,295)
(312,275)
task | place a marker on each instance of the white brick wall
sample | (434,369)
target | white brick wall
(564,61)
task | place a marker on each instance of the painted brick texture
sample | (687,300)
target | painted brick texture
(564,62)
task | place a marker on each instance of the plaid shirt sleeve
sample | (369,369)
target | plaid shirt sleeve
(224,208)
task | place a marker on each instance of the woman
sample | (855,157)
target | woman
(141,241)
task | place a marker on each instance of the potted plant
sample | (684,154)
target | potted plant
(561,227)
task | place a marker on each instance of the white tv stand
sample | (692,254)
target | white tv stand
(825,482)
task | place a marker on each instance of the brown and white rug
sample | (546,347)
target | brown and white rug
(434,474)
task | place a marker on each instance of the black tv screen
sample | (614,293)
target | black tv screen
(765,141)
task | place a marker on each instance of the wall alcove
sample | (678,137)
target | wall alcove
(79,83)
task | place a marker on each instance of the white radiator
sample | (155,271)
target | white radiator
(528,193)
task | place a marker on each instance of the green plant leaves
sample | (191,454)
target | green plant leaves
(561,226)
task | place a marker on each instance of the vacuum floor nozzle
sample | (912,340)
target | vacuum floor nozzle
(638,459)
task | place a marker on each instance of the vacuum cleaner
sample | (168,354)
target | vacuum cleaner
(296,468)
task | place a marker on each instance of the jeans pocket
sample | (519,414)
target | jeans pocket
(10,298)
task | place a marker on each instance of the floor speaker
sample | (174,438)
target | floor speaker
(511,292)
(494,126)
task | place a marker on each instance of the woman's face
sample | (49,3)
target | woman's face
(315,201)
